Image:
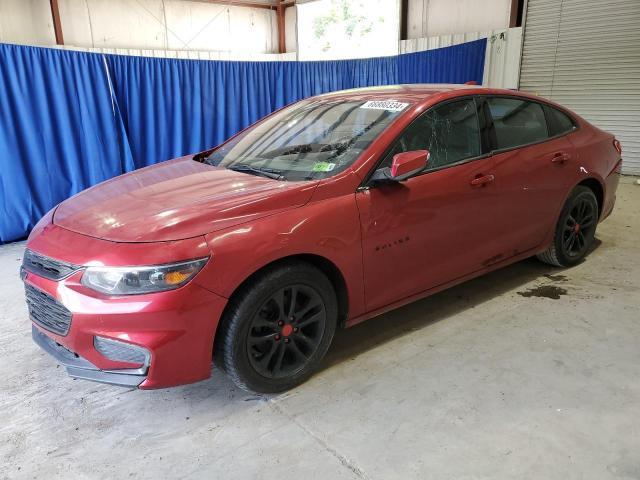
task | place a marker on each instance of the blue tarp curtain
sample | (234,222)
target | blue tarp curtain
(69,120)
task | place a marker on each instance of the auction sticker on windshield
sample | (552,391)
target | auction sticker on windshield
(388,105)
(323,167)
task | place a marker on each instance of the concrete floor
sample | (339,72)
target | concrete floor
(486,380)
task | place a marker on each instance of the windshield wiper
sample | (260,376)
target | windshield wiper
(306,148)
(260,171)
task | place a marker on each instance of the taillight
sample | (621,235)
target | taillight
(617,146)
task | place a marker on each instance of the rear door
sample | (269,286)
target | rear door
(439,225)
(532,162)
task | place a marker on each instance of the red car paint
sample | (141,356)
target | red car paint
(433,231)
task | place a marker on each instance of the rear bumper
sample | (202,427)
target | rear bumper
(610,188)
(78,367)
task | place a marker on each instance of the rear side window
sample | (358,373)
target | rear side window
(516,122)
(559,123)
(450,132)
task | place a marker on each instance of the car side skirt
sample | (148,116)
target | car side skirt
(426,293)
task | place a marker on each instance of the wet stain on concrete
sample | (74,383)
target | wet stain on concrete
(545,291)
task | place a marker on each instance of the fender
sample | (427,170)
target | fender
(313,229)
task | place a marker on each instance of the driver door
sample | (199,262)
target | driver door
(436,226)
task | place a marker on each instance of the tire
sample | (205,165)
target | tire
(575,230)
(266,343)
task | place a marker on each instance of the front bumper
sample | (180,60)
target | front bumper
(78,367)
(174,329)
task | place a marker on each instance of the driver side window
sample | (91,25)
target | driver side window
(449,132)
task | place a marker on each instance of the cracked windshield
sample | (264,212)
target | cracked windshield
(309,140)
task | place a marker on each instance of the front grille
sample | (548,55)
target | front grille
(47,267)
(46,311)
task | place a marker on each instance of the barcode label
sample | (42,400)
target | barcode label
(388,105)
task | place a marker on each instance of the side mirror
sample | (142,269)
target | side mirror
(403,166)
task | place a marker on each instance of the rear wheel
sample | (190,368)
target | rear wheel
(277,328)
(575,230)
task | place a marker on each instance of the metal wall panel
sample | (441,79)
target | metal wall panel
(502,57)
(190,54)
(429,18)
(585,54)
(171,25)
(26,21)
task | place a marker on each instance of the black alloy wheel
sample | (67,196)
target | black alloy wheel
(277,327)
(579,228)
(286,331)
(575,231)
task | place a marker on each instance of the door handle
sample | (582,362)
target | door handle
(482,180)
(560,157)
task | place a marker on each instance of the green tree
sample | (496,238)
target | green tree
(350,16)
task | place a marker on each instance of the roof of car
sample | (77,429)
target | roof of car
(426,93)
(411,92)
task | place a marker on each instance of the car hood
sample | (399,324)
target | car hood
(177,199)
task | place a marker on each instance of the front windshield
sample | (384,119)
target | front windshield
(309,140)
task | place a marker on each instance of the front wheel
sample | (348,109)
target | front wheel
(277,328)
(575,230)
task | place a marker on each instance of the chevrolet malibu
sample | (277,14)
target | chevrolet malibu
(326,213)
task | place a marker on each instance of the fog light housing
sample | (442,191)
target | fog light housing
(123,352)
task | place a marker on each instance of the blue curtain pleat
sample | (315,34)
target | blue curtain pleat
(60,132)
(69,120)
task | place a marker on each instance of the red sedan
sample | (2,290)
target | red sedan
(324,214)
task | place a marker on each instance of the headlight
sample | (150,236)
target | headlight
(138,280)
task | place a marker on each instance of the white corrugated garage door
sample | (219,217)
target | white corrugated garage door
(585,54)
